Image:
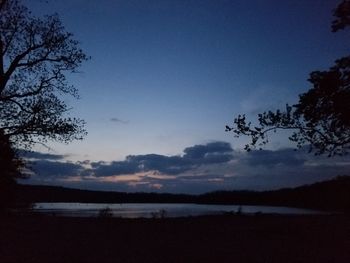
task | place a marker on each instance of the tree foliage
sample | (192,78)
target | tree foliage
(10,168)
(342,15)
(35,56)
(10,163)
(321,118)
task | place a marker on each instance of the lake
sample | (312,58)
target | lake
(149,210)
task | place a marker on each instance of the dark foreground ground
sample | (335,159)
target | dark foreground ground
(203,239)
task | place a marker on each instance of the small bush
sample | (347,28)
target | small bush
(105,213)
(239,211)
(159,214)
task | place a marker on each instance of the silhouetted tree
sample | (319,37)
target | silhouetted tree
(342,14)
(35,55)
(321,118)
(11,168)
(10,163)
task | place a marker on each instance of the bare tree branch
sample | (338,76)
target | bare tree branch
(35,55)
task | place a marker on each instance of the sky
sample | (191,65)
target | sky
(164,79)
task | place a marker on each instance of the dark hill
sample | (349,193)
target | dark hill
(327,195)
(332,195)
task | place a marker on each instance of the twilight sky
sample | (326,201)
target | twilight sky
(167,76)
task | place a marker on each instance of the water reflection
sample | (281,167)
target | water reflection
(138,210)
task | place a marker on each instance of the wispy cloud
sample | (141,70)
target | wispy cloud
(117,120)
(41,156)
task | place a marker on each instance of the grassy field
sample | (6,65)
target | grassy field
(264,238)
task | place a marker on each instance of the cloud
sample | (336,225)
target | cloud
(200,168)
(164,164)
(40,156)
(215,152)
(45,168)
(211,153)
(117,120)
(267,158)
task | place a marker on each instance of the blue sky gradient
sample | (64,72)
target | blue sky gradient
(168,75)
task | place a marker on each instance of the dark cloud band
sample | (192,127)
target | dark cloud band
(211,153)
(201,168)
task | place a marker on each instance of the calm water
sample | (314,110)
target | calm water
(136,210)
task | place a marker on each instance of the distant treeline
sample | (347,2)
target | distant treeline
(332,195)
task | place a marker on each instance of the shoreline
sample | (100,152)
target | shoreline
(164,210)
